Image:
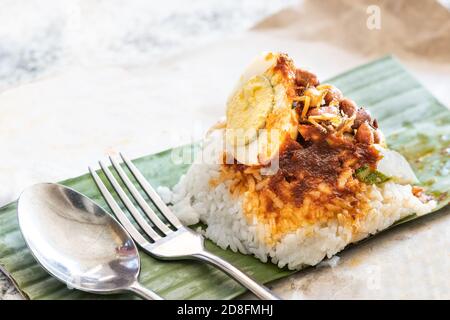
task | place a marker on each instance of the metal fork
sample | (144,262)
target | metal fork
(172,242)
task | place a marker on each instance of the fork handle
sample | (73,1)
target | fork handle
(259,290)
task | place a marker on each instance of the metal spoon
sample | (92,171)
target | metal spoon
(78,242)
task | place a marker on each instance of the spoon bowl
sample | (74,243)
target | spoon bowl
(78,242)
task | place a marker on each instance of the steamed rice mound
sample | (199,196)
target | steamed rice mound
(228,226)
(335,182)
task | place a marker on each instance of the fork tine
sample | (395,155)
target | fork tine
(137,196)
(151,193)
(117,211)
(127,202)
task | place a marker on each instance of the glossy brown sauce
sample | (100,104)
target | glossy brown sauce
(305,167)
(315,181)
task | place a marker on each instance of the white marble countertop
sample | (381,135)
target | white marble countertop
(105,66)
(40,37)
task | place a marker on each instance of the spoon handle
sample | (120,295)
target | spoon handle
(144,292)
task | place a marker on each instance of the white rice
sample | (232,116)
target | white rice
(194,200)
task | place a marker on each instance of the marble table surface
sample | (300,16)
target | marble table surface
(162,71)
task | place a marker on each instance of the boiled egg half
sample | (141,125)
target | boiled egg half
(259,115)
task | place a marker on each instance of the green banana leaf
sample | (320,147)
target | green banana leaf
(414,122)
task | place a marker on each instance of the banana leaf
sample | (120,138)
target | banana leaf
(415,123)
